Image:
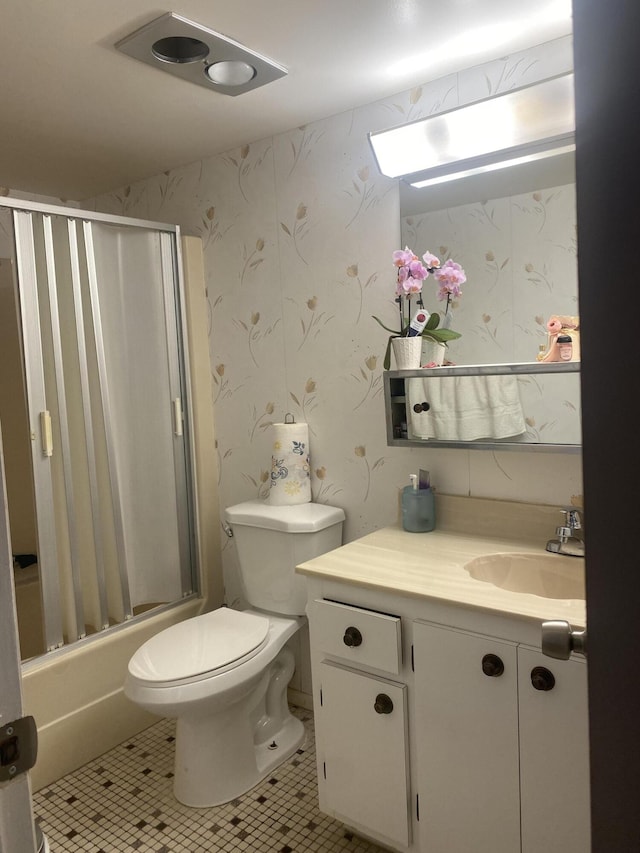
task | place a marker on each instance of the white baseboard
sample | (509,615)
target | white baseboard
(65,744)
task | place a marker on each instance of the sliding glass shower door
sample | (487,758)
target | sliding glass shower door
(106,392)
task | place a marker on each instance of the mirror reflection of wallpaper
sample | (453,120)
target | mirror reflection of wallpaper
(520,257)
(298,232)
(551,407)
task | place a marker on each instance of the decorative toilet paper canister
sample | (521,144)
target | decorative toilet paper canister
(290,466)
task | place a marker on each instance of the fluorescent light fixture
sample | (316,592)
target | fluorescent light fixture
(493,167)
(524,124)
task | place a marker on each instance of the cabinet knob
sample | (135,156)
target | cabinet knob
(542,678)
(352,637)
(421,407)
(383,704)
(492,666)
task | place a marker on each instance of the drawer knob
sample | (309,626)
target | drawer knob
(542,678)
(352,637)
(383,704)
(492,666)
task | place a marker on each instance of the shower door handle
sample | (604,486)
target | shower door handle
(177,416)
(46,435)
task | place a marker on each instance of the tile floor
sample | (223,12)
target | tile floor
(123,801)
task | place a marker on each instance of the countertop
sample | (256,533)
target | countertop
(431,566)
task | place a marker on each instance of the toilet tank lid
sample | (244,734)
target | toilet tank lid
(299,518)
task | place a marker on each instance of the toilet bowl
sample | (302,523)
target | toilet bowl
(224,674)
(212,673)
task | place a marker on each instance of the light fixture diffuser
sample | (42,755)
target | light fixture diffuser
(194,53)
(524,124)
(230,73)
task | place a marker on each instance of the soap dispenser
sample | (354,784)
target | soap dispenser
(418,507)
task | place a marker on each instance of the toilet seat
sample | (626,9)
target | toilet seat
(200,647)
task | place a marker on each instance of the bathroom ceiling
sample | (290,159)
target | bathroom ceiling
(80,118)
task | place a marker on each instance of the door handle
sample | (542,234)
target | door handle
(559,640)
(178,416)
(46,433)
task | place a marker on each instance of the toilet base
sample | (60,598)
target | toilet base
(289,739)
(220,757)
(204,754)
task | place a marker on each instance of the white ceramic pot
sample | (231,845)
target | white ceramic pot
(433,352)
(407,352)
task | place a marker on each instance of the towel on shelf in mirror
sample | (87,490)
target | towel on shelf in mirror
(465,408)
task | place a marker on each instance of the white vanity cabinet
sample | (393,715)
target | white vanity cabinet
(360,709)
(502,752)
(442,728)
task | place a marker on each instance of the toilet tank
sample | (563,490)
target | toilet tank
(272,541)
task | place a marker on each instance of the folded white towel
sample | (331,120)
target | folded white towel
(465,408)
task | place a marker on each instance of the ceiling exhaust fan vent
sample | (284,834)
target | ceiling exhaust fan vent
(199,55)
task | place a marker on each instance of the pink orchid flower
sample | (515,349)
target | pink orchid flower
(403,257)
(411,272)
(450,276)
(431,261)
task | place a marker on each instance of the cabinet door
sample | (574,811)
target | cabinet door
(364,750)
(466,729)
(554,754)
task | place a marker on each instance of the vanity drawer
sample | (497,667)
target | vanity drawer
(363,637)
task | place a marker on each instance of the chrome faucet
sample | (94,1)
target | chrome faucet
(567,542)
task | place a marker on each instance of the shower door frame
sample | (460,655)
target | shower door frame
(17,834)
(172,279)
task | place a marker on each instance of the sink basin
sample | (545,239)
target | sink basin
(546,575)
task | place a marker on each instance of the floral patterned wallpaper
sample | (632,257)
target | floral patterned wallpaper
(298,232)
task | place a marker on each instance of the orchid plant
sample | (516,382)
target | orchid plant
(411,274)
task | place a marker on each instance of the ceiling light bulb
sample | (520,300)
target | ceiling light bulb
(230,73)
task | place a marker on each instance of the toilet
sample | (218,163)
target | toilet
(223,675)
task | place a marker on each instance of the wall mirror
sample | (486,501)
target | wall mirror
(514,232)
